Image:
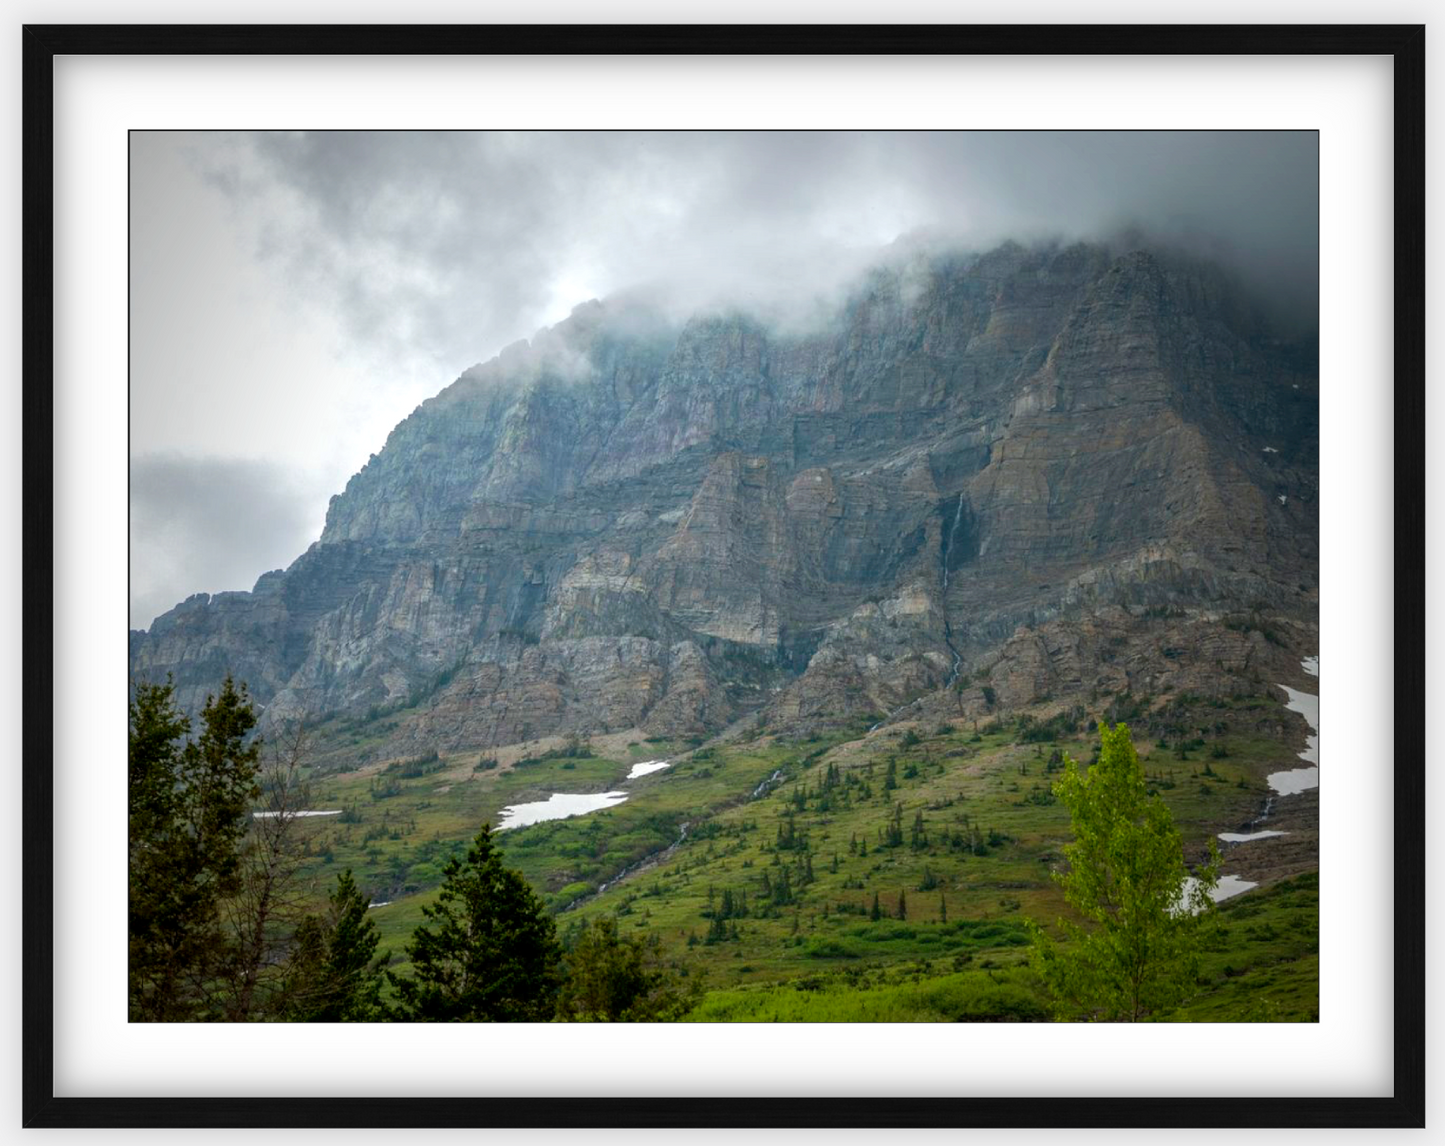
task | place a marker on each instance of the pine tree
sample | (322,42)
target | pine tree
(942,908)
(614,978)
(877,913)
(902,905)
(330,977)
(188,801)
(489,952)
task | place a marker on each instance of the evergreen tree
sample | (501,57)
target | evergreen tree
(877,913)
(902,905)
(489,952)
(1139,954)
(613,978)
(330,978)
(942,908)
(187,801)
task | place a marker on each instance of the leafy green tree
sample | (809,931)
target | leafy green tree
(490,951)
(1138,955)
(188,801)
(330,976)
(613,978)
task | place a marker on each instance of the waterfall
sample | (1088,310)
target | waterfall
(947,627)
(948,541)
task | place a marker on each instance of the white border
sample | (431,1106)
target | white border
(1349,99)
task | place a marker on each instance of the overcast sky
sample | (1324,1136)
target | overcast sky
(294,296)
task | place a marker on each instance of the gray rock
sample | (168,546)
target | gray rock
(1039,466)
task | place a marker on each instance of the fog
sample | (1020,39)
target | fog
(295,295)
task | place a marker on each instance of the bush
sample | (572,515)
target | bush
(414,767)
(830,949)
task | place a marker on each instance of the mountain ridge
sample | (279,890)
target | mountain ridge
(1027,474)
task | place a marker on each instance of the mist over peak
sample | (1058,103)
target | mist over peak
(343,277)
(482,235)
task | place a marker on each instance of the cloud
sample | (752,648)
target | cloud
(209,525)
(295,295)
(454,244)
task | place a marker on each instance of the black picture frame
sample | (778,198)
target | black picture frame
(42,1108)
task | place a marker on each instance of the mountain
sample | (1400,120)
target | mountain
(986,482)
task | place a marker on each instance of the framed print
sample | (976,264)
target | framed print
(848,529)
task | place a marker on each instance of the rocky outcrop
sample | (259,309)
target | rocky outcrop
(1036,464)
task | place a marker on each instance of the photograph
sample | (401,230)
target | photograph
(827,576)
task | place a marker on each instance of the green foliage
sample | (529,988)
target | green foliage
(1031,731)
(415,766)
(489,952)
(614,978)
(1139,956)
(971,996)
(188,801)
(331,978)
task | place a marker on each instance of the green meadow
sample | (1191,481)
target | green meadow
(849,877)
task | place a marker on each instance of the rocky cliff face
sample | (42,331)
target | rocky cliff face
(988,481)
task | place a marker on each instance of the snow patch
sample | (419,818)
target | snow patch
(1298,780)
(297,815)
(558,806)
(647,767)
